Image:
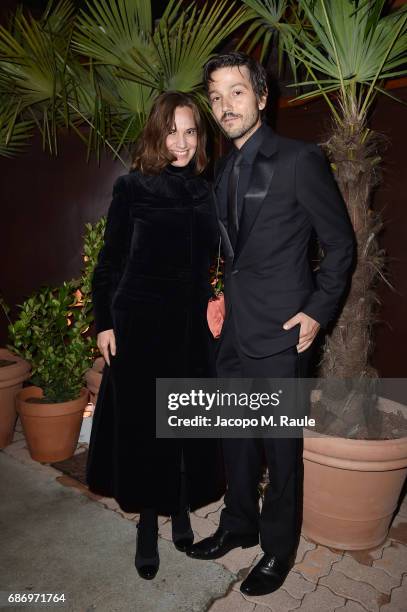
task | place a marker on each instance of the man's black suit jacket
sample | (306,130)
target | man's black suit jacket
(269,278)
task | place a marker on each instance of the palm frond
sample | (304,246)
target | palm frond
(184,46)
(58,16)
(14,133)
(276,23)
(357,47)
(109,31)
(32,67)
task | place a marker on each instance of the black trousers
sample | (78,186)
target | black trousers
(279,522)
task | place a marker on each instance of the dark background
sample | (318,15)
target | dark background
(36,7)
(46,201)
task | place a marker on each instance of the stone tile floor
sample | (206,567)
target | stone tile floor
(322,580)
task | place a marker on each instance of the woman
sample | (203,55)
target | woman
(150,293)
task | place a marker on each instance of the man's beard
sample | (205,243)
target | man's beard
(248,124)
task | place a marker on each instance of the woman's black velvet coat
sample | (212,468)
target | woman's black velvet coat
(151,286)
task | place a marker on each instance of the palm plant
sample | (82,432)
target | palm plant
(355,49)
(34,55)
(135,62)
(102,69)
(348,50)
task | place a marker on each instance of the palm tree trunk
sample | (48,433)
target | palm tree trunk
(353,151)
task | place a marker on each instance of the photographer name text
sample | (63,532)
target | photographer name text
(241,423)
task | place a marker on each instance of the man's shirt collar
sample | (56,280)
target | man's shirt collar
(252,145)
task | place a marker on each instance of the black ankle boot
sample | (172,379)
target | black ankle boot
(182,534)
(147,559)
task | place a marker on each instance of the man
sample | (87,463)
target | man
(272,194)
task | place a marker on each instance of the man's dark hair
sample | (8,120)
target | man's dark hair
(258,76)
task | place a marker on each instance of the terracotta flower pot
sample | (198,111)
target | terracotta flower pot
(51,430)
(351,487)
(93,378)
(11,380)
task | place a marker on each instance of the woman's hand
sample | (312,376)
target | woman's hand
(105,341)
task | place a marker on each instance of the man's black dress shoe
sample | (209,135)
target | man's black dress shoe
(267,576)
(220,543)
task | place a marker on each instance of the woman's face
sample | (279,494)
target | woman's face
(183,138)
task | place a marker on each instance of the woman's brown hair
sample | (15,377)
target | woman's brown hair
(151,154)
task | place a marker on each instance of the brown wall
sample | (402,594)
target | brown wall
(45,203)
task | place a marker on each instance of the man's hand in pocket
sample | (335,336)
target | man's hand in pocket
(308,330)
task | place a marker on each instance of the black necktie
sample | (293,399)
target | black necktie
(233,218)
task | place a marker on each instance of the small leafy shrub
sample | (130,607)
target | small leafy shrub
(52,330)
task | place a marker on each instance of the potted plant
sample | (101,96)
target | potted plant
(352,484)
(50,333)
(13,371)
(353,471)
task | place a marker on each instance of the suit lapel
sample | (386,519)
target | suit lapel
(259,185)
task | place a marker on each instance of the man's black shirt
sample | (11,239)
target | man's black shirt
(249,152)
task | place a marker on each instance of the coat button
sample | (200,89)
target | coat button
(235,271)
